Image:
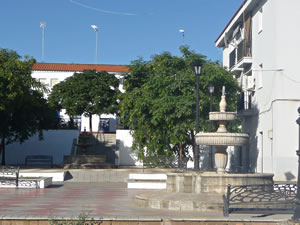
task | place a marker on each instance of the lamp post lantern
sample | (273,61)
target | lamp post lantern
(197,66)
(211,90)
(96,29)
(296,216)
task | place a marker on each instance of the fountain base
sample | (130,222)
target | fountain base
(197,191)
(209,182)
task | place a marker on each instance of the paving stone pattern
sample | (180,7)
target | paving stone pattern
(109,201)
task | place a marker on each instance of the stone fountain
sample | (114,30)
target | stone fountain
(203,191)
(222,138)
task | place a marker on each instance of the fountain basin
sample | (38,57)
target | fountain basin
(224,139)
(222,116)
(211,182)
(197,191)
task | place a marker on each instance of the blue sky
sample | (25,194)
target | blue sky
(128,29)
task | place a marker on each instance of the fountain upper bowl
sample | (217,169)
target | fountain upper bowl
(222,116)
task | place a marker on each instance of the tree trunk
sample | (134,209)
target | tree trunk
(3,149)
(180,151)
(91,117)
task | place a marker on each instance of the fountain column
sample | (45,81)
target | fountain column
(221,156)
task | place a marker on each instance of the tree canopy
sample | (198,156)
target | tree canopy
(23,109)
(160,100)
(87,93)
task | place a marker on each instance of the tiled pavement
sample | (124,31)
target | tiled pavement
(97,200)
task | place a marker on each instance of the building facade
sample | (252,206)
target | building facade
(51,74)
(260,45)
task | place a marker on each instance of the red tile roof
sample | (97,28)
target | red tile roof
(79,67)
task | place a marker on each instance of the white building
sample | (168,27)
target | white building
(58,143)
(53,73)
(260,44)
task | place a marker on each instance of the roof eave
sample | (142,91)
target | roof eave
(220,40)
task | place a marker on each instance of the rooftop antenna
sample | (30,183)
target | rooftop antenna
(43,25)
(182,31)
(96,29)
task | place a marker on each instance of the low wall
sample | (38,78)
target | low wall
(56,143)
(129,158)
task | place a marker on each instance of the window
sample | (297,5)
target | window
(43,81)
(53,82)
(260,20)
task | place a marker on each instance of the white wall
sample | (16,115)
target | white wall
(48,75)
(56,143)
(124,143)
(129,158)
(276,48)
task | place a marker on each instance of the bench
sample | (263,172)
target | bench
(9,175)
(260,198)
(40,160)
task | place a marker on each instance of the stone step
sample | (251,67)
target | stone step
(106,175)
(105,137)
(188,201)
(97,144)
(90,166)
(57,176)
(82,159)
(147,181)
(146,185)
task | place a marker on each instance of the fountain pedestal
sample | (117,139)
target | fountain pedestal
(221,158)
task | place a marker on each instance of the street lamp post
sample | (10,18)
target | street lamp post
(96,29)
(43,25)
(197,66)
(182,32)
(296,216)
(211,89)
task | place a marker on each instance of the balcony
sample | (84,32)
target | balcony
(240,57)
(244,105)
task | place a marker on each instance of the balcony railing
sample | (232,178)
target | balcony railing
(244,102)
(242,50)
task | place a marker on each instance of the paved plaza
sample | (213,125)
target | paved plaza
(105,201)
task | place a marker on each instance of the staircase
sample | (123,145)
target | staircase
(93,151)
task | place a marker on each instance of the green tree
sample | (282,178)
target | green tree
(160,99)
(23,109)
(87,93)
